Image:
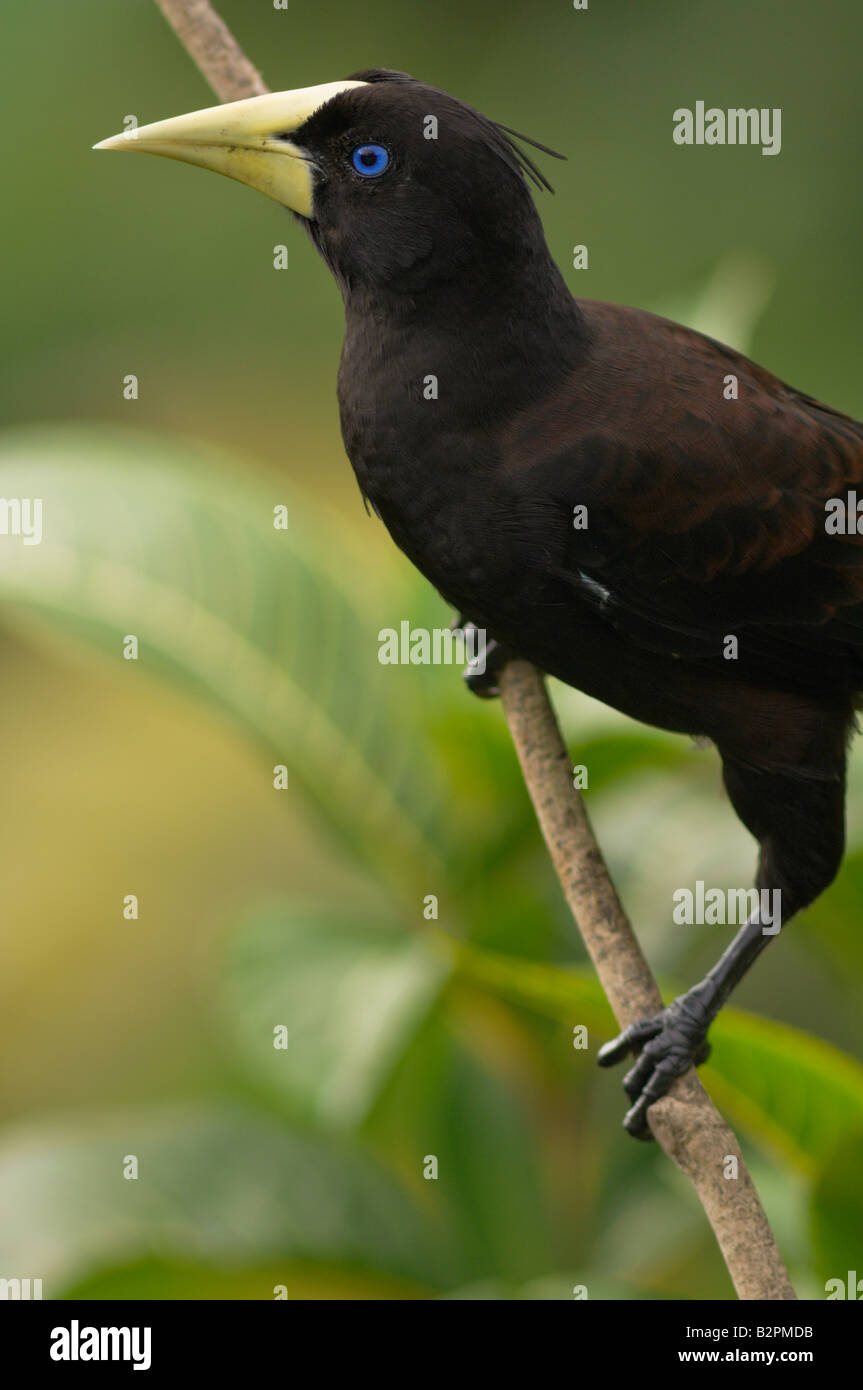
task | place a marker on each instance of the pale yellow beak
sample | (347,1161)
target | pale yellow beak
(240,139)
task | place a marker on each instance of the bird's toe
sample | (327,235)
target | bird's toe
(631,1038)
(482,671)
(666,1046)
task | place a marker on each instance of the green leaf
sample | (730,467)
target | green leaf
(616,757)
(359,1000)
(173,1280)
(788,1090)
(488,1174)
(176,546)
(550,990)
(351,994)
(221,1188)
(837,1214)
(791,1091)
(554,1288)
(834,920)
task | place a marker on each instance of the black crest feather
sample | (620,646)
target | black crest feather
(503,136)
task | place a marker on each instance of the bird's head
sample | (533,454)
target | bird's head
(400,184)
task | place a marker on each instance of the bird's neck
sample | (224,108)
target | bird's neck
(426,389)
(482,344)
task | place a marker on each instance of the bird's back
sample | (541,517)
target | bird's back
(711,492)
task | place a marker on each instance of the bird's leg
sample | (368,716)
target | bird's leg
(672,1041)
(800,824)
(490,657)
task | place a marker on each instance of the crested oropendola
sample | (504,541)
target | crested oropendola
(709,590)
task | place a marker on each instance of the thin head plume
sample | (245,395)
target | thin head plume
(508,136)
(527,165)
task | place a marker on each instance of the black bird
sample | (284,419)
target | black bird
(707,587)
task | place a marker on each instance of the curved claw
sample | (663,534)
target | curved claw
(667,1045)
(480,674)
(481,683)
(632,1037)
(660,1082)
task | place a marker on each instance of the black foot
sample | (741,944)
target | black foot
(480,674)
(667,1045)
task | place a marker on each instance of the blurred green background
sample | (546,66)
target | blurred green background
(409,1037)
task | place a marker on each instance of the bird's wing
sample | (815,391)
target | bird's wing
(704,482)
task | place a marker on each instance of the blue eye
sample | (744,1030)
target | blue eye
(370,160)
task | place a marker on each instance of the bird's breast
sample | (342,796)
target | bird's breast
(429,475)
(423,414)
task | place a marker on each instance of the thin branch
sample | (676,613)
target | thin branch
(211,45)
(685,1123)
